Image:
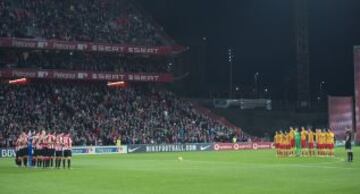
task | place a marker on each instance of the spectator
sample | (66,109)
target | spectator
(110,21)
(96,114)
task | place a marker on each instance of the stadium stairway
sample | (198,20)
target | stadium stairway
(260,123)
(207,112)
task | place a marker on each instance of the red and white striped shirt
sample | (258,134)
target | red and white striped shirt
(44,141)
(67,143)
(38,143)
(18,144)
(24,142)
(51,141)
(59,143)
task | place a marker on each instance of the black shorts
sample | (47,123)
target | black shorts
(59,154)
(51,152)
(20,152)
(23,152)
(17,154)
(46,152)
(348,145)
(35,152)
(42,152)
(67,153)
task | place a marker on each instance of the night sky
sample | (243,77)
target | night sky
(261,34)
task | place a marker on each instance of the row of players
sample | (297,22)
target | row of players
(304,142)
(43,149)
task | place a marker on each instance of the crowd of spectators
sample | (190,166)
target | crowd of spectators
(98,115)
(110,21)
(94,113)
(14,58)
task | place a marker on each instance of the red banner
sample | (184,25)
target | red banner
(340,110)
(89,46)
(357,90)
(243,146)
(85,75)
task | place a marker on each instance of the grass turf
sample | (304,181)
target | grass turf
(198,172)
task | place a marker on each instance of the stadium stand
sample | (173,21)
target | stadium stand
(110,21)
(141,113)
(97,115)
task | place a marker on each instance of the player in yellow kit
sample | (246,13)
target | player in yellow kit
(282,143)
(330,140)
(318,143)
(311,142)
(303,134)
(291,140)
(276,143)
(322,143)
(286,144)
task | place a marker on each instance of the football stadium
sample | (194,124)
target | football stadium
(142,97)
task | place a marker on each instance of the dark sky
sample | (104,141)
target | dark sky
(261,34)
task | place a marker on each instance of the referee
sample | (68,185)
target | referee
(348,140)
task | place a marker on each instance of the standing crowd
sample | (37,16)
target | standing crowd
(97,115)
(107,21)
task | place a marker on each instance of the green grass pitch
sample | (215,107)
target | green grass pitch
(198,172)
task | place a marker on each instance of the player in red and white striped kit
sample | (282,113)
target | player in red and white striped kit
(45,152)
(67,149)
(39,149)
(51,138)
(23,148)
(17,152)
(58,149)
(35,140)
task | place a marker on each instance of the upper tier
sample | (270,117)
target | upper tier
(104,21)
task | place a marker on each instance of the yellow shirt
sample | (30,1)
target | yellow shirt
(276,138)
(311,136)
(317,134)
(291,134)
(284,139)
(322,138)
(303,134)
(330,137)
(281,138)
(288,139)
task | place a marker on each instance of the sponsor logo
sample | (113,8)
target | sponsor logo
(202,148)
(264,145)
(7,153)
(243,146)
(236,146)
(85,75)
(171,148)
(42,74)
(99,150)
(105,150)
(255,146)
(224,146)
(74,45)
(130,150)
(216,147)
(84,150)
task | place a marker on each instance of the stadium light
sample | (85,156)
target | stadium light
(18,81)
(118,83)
